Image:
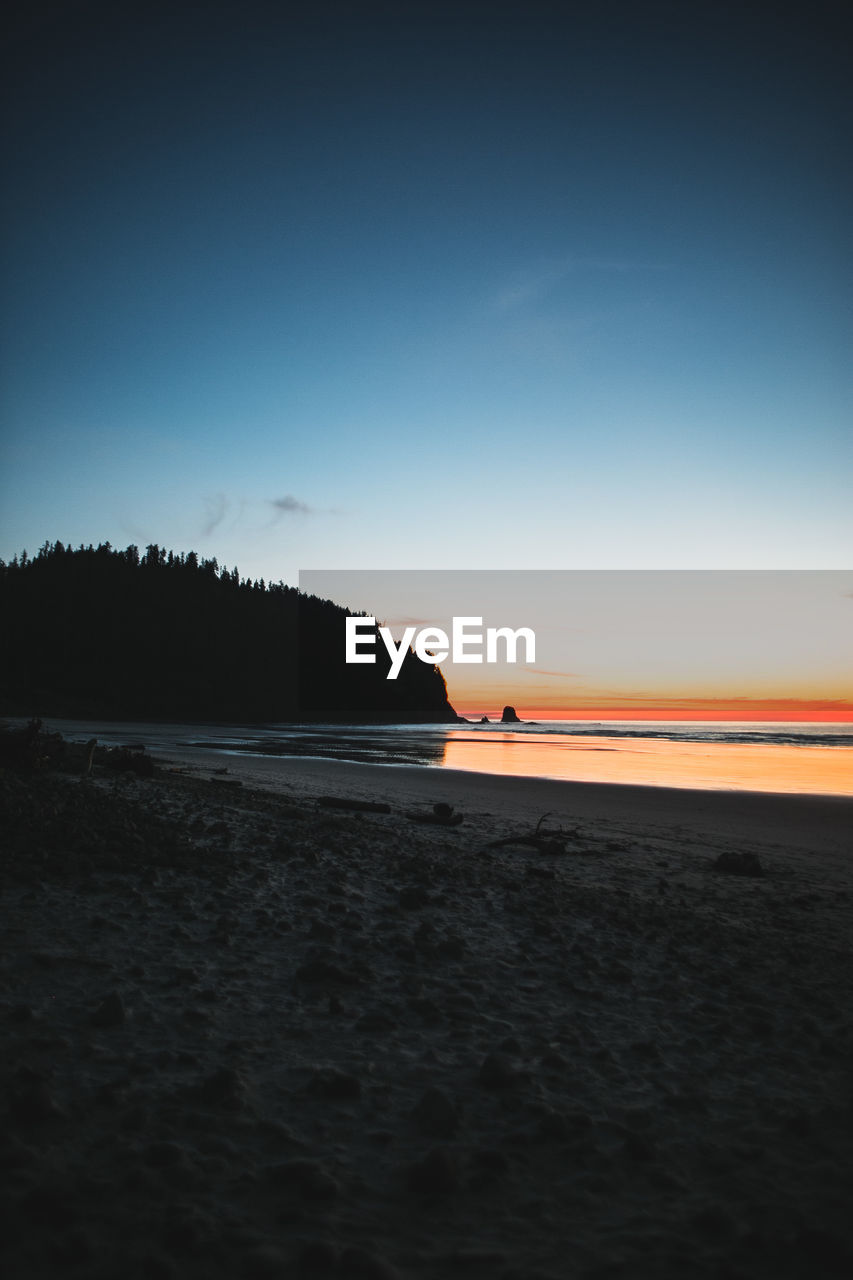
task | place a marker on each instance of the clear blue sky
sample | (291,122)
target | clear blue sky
(429,285)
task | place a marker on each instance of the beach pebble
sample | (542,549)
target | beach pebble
(135,1119)
(496,1072)
(451,947)
(426,1009)
(375,1022)
(74,1249)
(646,1049)
(714,1220)
(329,1082)
(223,1088)
(48,1204)
(554,1061)
(824,1252)
(33,1102)
(21,1013)
(491,1159)
(187,1229)
(156,1266)
(475,1258)
(559,1126)
(265,1262)
(436,1174)
(317,1258)
(110,1012)
(162,1155)
(323,930)
(363,1265)
(739,864)
(412,897)
(308,1177)
(637,1147)
(323,971)
(436,1114)
(16,1155)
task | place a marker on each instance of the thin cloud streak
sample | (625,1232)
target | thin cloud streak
(290,506)
(216,508)
(541,671)
(534,283)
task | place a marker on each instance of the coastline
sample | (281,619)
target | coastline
(814,823)
(783,759)
(250,1035)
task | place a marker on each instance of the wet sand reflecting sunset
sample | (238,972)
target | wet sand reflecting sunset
(810,770)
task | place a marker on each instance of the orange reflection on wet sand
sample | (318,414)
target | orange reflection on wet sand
(717,766)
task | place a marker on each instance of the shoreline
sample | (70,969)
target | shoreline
(821,823)
(810,769)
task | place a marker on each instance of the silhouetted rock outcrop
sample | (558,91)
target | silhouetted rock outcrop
(509,716)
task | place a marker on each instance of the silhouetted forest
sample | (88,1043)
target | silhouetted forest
(101,632)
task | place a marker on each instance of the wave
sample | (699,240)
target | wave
(780,734)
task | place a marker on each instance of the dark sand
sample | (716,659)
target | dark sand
(819,824)
(246,1035)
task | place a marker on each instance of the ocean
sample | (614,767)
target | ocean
(807,758)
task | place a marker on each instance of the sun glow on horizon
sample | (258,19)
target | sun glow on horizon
(733,710)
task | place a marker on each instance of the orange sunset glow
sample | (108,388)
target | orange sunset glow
(782,710)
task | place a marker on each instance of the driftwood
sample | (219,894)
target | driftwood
(130,760)
(356,806)
(551,842)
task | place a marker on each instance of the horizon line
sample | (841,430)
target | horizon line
(698,714)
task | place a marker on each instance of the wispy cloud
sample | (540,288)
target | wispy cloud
(541,671)
(215,510)
(532,283)
(409,622)
(290,506)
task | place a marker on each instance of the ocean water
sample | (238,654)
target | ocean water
(776,757)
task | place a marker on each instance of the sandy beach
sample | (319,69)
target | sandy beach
(251,1034)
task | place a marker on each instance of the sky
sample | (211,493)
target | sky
(625,645)
(421,286)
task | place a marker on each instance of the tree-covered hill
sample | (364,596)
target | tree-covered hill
(101,632)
